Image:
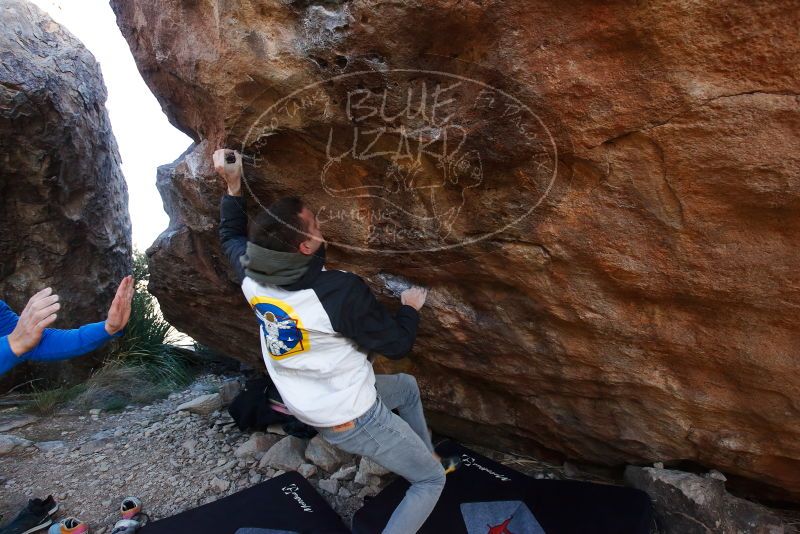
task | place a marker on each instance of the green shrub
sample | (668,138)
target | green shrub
(149,341)
(143,365)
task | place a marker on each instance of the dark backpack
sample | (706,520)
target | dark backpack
(256,407)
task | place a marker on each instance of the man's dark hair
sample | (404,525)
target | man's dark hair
(280,227)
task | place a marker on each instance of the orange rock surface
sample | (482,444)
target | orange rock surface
(604,199)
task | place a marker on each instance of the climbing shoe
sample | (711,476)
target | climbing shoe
(130,507)
(35,516)
(132,516)
(69,525)
(450,464)
(126,526)
(49,504)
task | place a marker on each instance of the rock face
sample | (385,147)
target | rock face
(686,503)
(63,199)
(603,198)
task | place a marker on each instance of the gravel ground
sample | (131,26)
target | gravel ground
(177,460)
(171,460)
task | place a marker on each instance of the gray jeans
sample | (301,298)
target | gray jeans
(401,445)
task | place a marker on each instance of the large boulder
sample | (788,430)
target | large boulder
(63,199)
(686,503)
(603,197)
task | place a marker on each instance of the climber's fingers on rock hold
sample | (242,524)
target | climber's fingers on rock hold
(414,297)
(219,160)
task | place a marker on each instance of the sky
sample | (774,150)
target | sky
(145,137)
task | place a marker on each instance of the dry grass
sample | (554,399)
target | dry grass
(791,519)
(113,387)
(46,401)
(117,385)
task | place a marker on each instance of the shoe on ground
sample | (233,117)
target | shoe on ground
(130,507)
(70,525)
(50,505)
(34,517)
(126,526)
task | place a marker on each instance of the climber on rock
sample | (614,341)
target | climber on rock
(27,338)
(317,327)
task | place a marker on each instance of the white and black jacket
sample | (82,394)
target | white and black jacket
(316,332)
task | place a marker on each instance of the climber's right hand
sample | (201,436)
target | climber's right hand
(231,172)
(414,297)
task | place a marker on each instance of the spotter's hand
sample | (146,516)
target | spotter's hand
(39,313)
(120,311)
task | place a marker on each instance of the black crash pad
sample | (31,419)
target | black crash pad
(285,504)
(485,497)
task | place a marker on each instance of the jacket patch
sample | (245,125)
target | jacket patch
(281,327)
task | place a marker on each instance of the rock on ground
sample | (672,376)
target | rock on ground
(345,473)
(9,443)
(324,455)
(618,320)
(173,461)
(365,479)
(219,485)
(686,503)
(12,421)
(307,470)
(287,454)
(331,486)
(369,473)
(202,405)
(48,446)
(369,467)
(258,443)
(63,198)
(229,390)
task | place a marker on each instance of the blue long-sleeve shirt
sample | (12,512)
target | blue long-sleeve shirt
(54,345)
